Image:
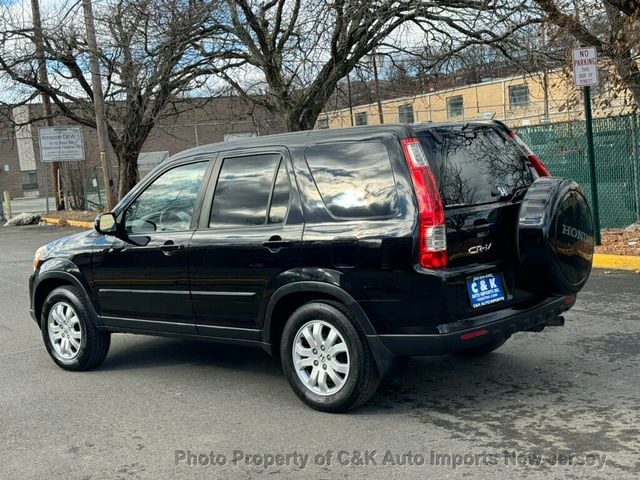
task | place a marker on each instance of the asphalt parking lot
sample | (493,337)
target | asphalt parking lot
(564,403)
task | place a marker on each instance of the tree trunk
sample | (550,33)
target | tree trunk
(127,173)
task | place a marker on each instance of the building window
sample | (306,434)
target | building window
(29,180)
(361,118)
(455,106)
(518,96)
(405,114)
(323,123)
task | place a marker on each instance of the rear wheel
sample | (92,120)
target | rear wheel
(483,349)
(326,360)
(69,331)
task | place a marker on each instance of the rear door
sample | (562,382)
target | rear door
(250,232)
(482,176)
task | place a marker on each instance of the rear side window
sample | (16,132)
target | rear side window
(355,180)
(243,191)
(474,164)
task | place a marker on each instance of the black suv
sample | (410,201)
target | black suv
(344,252)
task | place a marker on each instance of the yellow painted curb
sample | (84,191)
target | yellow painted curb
(619,262)
(71,223)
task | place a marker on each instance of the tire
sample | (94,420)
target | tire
(483,349)
(80,345)
(353,366)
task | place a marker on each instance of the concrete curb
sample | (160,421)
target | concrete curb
(616,262)
(71,223)
(600,260)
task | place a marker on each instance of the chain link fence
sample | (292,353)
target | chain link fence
(563,148)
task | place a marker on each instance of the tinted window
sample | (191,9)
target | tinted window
(280,197)
(167,204)
(243,189)
(354,179)
(474,164)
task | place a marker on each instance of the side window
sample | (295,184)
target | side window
(280,197)
(355,180)
(243,190)
(167,204)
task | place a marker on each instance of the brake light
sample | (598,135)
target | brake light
(534,160)
(432,251)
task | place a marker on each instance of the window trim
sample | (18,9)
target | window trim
(220,157)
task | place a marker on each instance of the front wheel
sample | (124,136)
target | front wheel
(69,331)
(326,360)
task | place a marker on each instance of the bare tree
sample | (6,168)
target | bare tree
(613,26)
(295,52)
(149,60)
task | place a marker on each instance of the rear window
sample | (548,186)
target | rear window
(354,179)
(474,164)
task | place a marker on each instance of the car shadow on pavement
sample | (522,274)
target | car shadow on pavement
(451,382)
(149,352)
(445,382)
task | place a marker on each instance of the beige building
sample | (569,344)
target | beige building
(518,100)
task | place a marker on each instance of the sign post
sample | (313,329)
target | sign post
(585,74)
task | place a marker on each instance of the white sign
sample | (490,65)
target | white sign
(585,66)
(61,144)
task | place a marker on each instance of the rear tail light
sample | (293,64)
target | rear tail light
(432,251)
(534,160)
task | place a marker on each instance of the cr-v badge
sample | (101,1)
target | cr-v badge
(480,249)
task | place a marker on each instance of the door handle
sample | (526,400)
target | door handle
(169,247)
(275,243)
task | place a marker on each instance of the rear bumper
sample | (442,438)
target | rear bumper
(452,336)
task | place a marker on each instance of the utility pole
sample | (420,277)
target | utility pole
(377,83)
(46,104)
(349,95)
(545,72)
(98,102)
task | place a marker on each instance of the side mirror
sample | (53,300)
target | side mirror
(106,224)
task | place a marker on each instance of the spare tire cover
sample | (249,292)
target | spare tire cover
(555,236)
